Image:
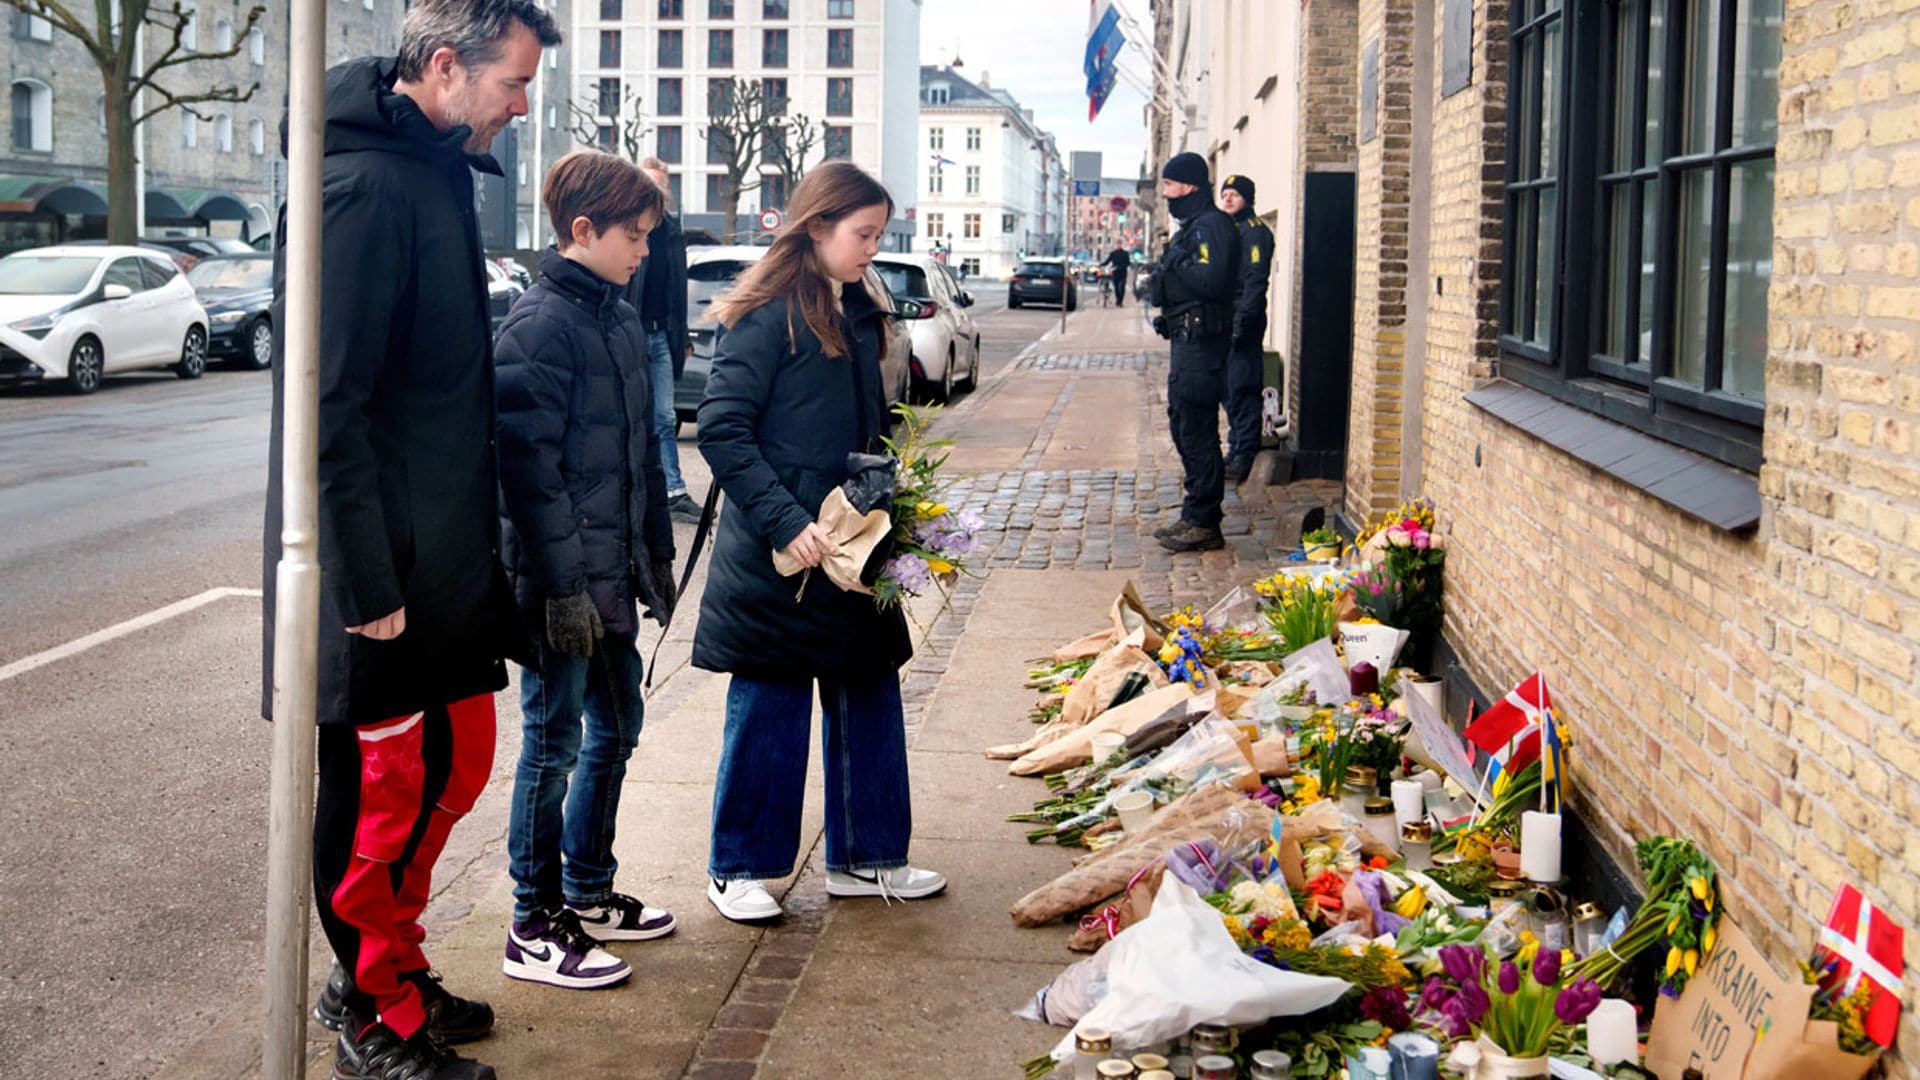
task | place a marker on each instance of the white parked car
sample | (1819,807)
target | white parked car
(83,312)
(946,348)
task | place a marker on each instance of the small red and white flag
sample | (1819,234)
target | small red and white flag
(1510,729)
(1862,943)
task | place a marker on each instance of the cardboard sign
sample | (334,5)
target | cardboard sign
(1735,999)
(1440,748)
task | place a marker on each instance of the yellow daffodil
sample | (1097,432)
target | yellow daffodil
(1692,960)
(1674,958)
(1529,947)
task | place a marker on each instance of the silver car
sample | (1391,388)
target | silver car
(711,270)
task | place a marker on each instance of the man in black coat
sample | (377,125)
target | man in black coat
(659,293)
(1195,285)
(415,612)
(1246,359)
(1117,263)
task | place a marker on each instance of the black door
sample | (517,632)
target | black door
(1326,326)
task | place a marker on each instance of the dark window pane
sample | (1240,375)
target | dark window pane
(718,191)
(1526,61)
(773,9)
(22,116)
(719,97)
(609,97)
(719,146)
(1656,80)
(1545,265)
(1756,65)
(773,48)
(667,97)
(1520,272)
(839,48)
(838,143)
(775,92)
(610,48)
(839,9)
(1749,269)
(1623,274)
(672,44)
(1626,78)
(1699,100)
(673,9)
(1650,257)
(720,48)
(773,193)
(1693,276)
(610,10)
(667,145)
(604,138)
(720,9)
(839,97)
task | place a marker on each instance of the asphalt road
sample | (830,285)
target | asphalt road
(133,826)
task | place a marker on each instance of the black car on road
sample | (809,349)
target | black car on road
(237,291)
(1042,281)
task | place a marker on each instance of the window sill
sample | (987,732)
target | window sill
(1706,490)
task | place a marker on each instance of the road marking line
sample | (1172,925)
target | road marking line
(120,630)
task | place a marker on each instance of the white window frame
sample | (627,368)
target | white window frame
(973,138)
(189,130)
(222,34)
(973,179)
(190,28)
(257,46)
(936,182)
(40,115)
(223,132)
(257,137)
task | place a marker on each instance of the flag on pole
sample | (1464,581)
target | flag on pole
(1101,61)
(1553,751)
(1858,943)
(940,160)
(1510,729)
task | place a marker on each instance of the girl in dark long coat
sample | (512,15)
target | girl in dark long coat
(795,388)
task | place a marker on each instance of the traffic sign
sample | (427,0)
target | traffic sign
(1118,204)
(1083,188)
(769,219)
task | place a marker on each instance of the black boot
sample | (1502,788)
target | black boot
(1187,537)
(451,1019)
(378,1053)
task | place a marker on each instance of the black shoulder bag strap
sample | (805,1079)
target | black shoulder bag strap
(700,533)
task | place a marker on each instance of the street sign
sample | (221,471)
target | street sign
(1119,203)
(769,219)
(1086,188)
(1106,220)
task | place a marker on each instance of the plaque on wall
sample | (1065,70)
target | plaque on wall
(1370,90)
(1456,47)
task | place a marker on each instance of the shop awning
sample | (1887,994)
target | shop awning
(50,195)
(211,204)
(164,205)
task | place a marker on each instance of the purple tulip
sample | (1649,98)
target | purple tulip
(1509,977)
(1546,967)
(1474,1002)
(1576,1001)
(1434,996)
(1466,964)
(1455,1021)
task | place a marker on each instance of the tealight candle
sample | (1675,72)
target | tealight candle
(1540,846)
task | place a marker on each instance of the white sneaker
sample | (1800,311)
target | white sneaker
(743,901)
(899,883)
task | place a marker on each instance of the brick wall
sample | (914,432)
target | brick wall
(1329,119)
(1756,694)
(1381,209)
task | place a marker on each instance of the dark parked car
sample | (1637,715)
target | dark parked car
(1042,281)
(237,291)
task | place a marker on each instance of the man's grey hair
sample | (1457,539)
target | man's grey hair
(476,31)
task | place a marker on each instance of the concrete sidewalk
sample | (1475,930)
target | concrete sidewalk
(1065,454)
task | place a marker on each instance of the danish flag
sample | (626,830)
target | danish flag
(1510,729)
(1862,943)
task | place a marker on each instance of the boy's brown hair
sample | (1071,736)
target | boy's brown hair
(604,189)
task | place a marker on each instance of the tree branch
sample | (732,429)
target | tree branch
(63,19)
(219,95)
(173,56)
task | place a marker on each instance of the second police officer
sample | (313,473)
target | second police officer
(1195,287)
(1246,363)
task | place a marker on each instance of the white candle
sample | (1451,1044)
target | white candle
(1408,801)
(1430,779)
(1540,846)
(1612,1035)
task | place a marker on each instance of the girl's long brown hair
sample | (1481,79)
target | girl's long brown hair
(790,270)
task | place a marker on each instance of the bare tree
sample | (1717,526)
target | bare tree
(112,52)
(789,142)
(738,112)
(629,128)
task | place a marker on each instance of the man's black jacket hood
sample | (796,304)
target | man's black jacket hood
(364,112)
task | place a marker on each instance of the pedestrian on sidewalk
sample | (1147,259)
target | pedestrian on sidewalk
(587,535)
(1246,358)
(659,293)
(415,612)
(1117,263)
(1195,285)
(795,389)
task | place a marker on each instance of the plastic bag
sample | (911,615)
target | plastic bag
(1209,751)
(871,480)
(1179,967)
(1238,610)
(1071,994)
(1326,676)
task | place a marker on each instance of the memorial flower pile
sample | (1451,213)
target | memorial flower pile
(931,540)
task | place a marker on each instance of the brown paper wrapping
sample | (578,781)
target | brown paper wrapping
(854,535)
(1075,747)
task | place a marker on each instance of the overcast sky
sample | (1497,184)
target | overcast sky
(1032,49)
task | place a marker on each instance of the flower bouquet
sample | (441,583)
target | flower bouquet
(930,541)
(1516,1012)
(1300,611)
(1680,911)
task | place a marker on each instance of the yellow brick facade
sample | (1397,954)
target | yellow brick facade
(1756,692)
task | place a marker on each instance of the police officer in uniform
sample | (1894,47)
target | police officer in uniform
(1246,365)
(1195,286)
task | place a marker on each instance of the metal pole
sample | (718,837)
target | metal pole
(297,583)
(140,132)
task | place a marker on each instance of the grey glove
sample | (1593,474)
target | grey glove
(666,597)
(573,624)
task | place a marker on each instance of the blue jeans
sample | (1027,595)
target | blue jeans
(763,776)
(666,422)
(566,791)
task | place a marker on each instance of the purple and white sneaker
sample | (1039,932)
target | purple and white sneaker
(552,948)
(623,918)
